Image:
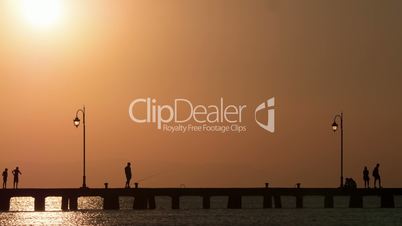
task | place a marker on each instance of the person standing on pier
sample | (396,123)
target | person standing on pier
(127,171)
(16,174)
(5,176)
(366,177)
(376,175)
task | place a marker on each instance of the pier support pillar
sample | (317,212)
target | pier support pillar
(329,201)
(299,201)
(234,202)
(356,201)
(387,201)
(278,202)
(111,202)
(151,202)
(206,202)
(73,201)
(140,202)
(4,203)
(176,202)
(39,203)
(64,203)
(267,201)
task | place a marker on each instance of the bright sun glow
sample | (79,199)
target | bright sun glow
(42,13)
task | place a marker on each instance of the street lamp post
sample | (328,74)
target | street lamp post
(77,122)
(335,128)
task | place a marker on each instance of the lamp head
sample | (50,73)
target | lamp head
(334,126)
(77,122)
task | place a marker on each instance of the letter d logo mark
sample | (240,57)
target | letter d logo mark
(269,105)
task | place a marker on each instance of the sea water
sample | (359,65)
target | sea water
(191,213)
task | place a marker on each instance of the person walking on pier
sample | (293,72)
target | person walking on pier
(366,177)
(127,171)
(16,174)
(5,176)
(376,175)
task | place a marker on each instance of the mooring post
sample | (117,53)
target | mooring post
(5,203)
(387,201)
(234,202)
(329,201)
(111,202)
(39,203)
(175,202)
(206,202)
(278,202)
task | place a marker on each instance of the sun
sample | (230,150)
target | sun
(42,13)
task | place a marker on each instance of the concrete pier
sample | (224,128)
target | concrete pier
(73,202)
(111,202)
(267,203)
(278,201)
(151,202)
(176,202)
(39,203)
(144,198)
(234,202)
(140,202)
(299,201)
(64,203)
(206,202)
(329,201)
(356,201)
(4,203)
(387,201)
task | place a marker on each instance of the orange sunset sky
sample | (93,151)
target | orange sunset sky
(315,57)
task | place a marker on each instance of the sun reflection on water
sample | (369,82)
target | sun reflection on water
(191,213)
(22,212)
(22,204)
(90,203)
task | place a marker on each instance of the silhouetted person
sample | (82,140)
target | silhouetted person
(376,175)
(127,171)
(350,183)
(353,183)
(16,174)
(366,177)
(5,176)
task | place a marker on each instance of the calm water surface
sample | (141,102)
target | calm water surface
(192,214)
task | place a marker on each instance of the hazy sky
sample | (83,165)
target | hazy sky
(316,58)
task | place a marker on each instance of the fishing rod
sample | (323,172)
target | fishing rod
(148,177)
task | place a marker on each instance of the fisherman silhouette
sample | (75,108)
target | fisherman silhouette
(366,177)
(376,175)
(5,176)
(16,173)
(127,171)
